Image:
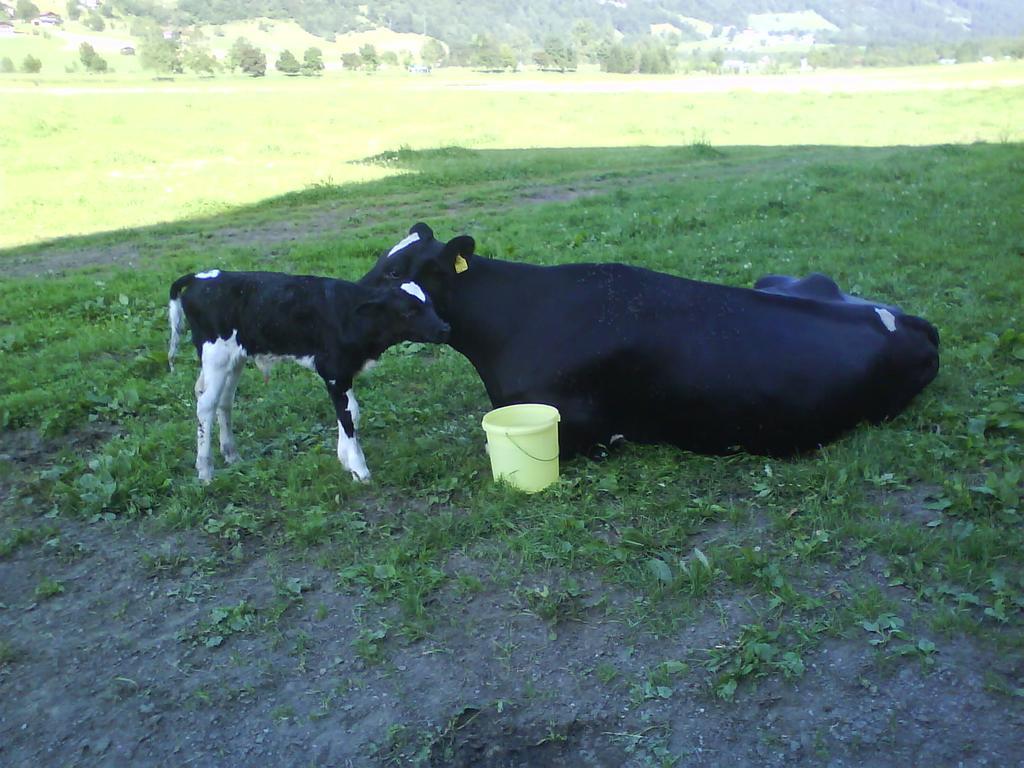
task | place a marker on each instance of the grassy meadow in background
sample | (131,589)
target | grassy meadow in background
(910,197)
(126,152)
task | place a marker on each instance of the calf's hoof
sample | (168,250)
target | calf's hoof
(360,477)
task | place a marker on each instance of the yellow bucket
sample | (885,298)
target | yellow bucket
(522,441)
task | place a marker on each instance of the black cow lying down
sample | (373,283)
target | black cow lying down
(330,326)
(627,352)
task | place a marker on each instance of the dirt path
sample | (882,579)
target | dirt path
(305,223)
(325,219)
(125,645)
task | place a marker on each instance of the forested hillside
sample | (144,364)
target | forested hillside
(522,21)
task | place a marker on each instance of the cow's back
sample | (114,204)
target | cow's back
(265,310)
(711,368)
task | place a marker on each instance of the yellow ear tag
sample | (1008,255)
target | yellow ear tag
(461,265)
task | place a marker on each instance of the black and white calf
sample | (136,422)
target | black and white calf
(333,327)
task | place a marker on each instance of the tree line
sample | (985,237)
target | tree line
(641,55)
(170,56)
(585,42)
(875,55)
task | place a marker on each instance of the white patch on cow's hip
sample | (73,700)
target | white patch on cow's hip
(414,290)
(404,242)
(224,351)
(888,319)
(208,275)
(369,365)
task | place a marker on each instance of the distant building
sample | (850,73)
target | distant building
(127,51)
(7,29)
(419,69)
(48,19)
(92,5)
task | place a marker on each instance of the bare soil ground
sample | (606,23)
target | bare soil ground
(305,223)
(127,664)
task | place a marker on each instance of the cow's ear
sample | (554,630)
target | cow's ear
(457,253)
(376,309)
(421,229)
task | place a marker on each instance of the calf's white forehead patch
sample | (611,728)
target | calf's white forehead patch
(404,242)
(208,275)
(414,290)
(888,319)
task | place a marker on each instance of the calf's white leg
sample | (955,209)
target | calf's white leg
(205,407)
(219,358)
(228,449)
(353,408)
(350,453)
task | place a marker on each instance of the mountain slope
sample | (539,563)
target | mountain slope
(534,20)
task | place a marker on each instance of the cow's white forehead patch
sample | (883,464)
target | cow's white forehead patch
(414,290)
(888,319)
(403,243)
(208,275)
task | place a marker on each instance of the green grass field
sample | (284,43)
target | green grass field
(904,539)
(90,154)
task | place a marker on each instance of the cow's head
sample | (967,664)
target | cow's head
(432,264)
(404,313)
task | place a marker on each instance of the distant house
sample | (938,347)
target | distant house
(6,29)
(127,51)
(48,19)
(419,69)
(92,5)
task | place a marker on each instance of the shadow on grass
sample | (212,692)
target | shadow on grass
(448,183)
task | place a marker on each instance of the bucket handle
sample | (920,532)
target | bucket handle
(530,455)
